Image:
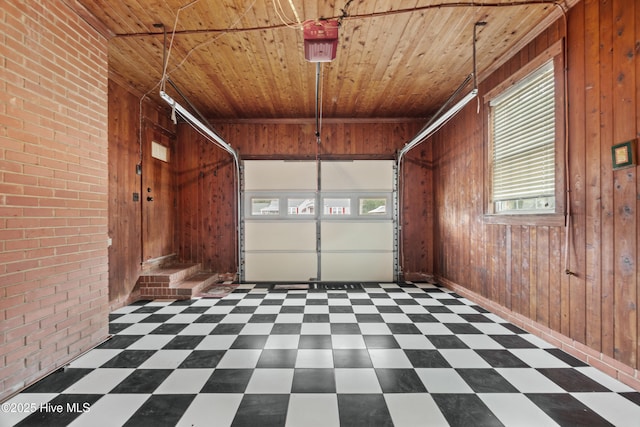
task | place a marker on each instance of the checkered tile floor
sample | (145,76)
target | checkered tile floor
(389,354)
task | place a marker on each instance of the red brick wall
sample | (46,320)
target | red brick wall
(53,189)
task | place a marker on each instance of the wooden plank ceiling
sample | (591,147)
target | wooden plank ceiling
(244,59)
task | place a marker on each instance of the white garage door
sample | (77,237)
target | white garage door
(286,238)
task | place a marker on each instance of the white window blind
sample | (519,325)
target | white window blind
(523,141)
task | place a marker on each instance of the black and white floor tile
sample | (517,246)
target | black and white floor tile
(385,355)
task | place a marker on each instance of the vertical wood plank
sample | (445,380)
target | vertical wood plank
(498,287)
(556,273)
(577,167)
(593,194)
(496,258)
(625,292)
(517,263)
(533,273)
(527,268)
(637,133)
(543,273)
(607,249)
(625,186)
(509,254)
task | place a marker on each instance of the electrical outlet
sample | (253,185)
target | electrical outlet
(136,197)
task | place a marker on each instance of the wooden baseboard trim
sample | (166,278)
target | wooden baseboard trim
(623,373)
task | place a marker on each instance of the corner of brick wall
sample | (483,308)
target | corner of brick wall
(53,190)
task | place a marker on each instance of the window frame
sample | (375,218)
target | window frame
(553,53)
(283,199)
(355,197)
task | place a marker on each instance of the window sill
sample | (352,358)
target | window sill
(551,220)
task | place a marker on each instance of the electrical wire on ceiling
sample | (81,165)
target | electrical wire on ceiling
(166,73)
(291,23)
(346,16)
(475,71)
(295,12)
(168,50)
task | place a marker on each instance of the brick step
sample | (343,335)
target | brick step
(198,282)
(167,275)
(185,289)
(175,281)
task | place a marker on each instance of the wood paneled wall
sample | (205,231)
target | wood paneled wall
(206,230)
(521,266)
(417,212)
(125,216)
(206,224)
(339,139)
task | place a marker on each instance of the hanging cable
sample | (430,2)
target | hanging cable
(318,107)
(168,52)
(277,6)
(318,198)
(568,228)
(295,12)
(475,61)
(166,73)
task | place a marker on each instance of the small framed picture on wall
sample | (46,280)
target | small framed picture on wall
(623,155)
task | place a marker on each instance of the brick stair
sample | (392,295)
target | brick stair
(174,281)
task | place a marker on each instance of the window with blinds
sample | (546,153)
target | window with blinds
(523,145)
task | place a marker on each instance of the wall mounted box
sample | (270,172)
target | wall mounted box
(320,40)
(623,155)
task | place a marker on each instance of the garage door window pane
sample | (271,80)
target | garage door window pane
(263,206)
(337,206)
(301,206)
(373,206)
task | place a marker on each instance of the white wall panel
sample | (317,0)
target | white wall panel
(280,266)
(280,175)
(357,175)
(280,235)
(357,236)
(357,267)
